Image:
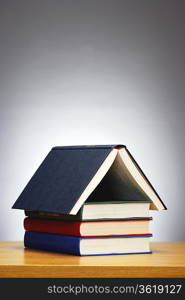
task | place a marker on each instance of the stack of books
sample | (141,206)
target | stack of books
(99,228)
(89,200)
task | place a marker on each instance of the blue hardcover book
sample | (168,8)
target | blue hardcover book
(70,176)
(108,245)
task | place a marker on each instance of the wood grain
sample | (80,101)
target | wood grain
(167,260)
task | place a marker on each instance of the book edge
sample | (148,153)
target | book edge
(101,172)
(145,179)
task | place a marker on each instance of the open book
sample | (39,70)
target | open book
(72,175)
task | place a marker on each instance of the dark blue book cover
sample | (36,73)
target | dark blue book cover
(64,243)
(62,177)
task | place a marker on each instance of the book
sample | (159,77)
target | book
(87,245)
(102,210)
(72,175)
(89,228)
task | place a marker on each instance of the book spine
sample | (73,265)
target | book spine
(80,213)
(52,242)
(84,147)
(52,226)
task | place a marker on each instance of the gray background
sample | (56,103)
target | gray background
(93,72)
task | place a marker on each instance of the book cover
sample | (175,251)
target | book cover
(61,178)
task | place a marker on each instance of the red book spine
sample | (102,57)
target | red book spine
(52,226)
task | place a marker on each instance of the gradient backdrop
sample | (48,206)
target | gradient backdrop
(93,72)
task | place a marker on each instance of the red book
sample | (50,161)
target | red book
(122,227)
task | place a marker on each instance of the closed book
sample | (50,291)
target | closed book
(89,228)
(87,245)
(101,211)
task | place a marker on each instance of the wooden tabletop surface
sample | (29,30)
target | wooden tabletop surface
(167,260)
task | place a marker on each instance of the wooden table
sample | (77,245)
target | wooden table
(167,260)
